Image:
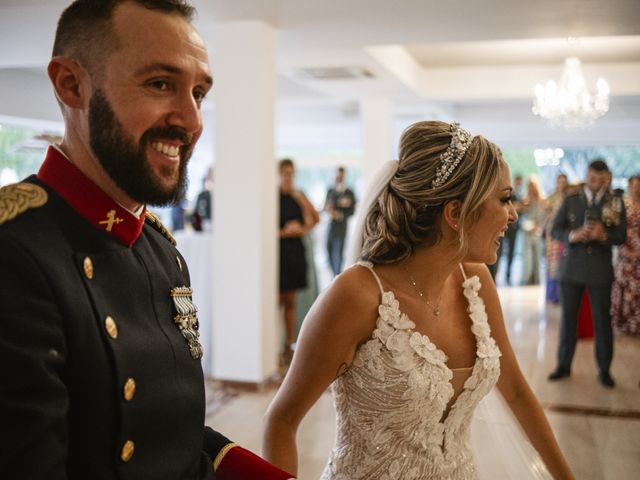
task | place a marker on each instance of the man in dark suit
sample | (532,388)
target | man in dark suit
(340,204)
(589,222)
(100,373)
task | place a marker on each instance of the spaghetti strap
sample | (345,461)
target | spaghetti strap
(463,273)
(369,265)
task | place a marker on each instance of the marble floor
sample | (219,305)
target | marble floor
(598,429)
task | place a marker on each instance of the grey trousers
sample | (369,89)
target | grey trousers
(600,298)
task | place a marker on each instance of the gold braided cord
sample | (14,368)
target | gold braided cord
(222,454)
(17,198)
(157,224)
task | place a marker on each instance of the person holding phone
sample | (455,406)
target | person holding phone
(589,222)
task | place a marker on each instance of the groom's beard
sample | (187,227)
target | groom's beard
(126,162)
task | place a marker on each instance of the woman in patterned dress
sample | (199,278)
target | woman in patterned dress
(625,294)
(412,338)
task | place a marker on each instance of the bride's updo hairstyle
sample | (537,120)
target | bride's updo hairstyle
(408,213)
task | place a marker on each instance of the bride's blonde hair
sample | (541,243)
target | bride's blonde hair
(408,212)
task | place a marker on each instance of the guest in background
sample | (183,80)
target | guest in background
(588,223)
(511,233)
(340,205)
(554,248)
(625,294)
(297,218)
(306,296)
(531,227)
(203,211)
(177,216)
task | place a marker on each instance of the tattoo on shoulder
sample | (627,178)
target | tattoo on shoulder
(342,369)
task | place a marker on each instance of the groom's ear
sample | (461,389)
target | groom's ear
(451,214)
(71,82)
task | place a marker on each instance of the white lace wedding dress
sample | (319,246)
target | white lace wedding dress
(402,413)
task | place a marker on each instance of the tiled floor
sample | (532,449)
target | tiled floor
(597,447)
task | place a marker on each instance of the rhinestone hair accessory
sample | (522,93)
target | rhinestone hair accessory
(449,160)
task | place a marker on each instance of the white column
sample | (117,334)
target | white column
(377,131)
(245,214)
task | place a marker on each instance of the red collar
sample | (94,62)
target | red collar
(86,198)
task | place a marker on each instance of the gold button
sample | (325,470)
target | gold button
(179,263)
(589,250)
(127,451)
(129,389)
(88,267)
(111,327)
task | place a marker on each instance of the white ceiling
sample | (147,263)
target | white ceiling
(448,58)
(550,51)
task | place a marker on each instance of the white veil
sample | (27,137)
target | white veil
(501,449)
(371,194)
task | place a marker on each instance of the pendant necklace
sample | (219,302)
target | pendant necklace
(435,309)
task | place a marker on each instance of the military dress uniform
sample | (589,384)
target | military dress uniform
(588,265)
(100,374)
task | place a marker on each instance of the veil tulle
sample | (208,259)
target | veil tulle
(371,194)
(501,449)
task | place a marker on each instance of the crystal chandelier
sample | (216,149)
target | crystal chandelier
(570,103)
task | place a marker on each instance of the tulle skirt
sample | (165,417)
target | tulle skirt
(501,449)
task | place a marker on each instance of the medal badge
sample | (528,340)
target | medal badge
(187,319)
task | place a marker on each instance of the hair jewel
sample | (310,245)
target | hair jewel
(449,160)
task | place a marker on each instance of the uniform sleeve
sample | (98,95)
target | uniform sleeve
(560,228)
(352,208)
(33,397)
(617,234)
(232,462)
(328,198)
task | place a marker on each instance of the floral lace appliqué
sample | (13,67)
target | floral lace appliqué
(391,403)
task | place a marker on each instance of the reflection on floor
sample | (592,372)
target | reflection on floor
(598,429)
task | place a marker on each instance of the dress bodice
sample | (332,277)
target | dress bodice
(395,414)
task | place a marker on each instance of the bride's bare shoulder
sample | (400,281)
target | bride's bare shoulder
(477,269)
(351,301)
(356,283)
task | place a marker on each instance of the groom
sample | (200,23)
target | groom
(100,374)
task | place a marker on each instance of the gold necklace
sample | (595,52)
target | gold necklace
(435,309)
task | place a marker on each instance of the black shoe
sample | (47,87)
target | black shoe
(606,380)
(558,373)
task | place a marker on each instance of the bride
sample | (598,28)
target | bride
(412,337)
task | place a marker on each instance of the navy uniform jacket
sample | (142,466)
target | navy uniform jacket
(97,381)
(589,263)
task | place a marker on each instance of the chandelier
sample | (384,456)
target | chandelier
(569,103)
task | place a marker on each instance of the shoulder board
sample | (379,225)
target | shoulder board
(575,193)
(17,198)
(153,220)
